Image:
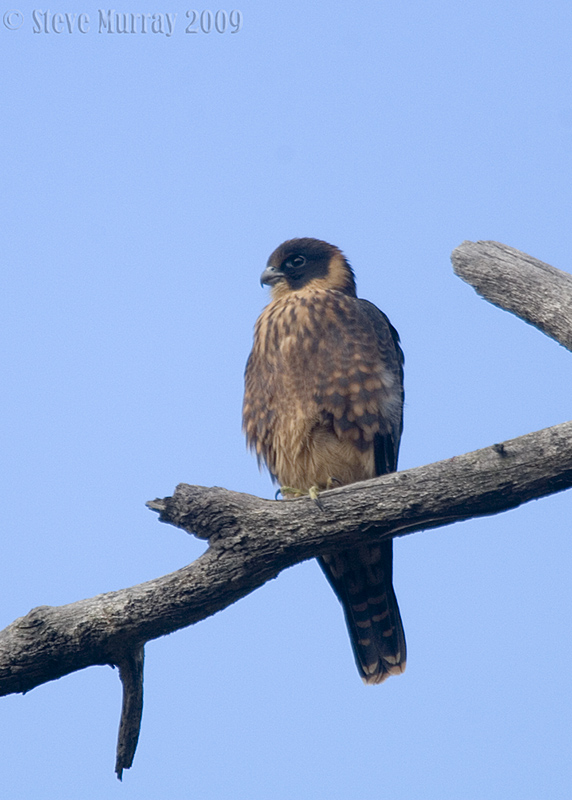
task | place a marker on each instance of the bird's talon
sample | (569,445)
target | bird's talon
(314,494)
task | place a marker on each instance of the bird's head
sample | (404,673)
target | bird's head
(307,264)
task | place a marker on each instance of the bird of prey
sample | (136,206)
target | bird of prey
(323,407)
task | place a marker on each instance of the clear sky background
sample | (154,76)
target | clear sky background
(145,179)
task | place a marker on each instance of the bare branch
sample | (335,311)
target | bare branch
(534,291)
(251,540)
(131,674)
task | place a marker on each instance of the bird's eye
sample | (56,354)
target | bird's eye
(298,261)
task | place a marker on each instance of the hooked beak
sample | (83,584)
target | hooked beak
(270,276)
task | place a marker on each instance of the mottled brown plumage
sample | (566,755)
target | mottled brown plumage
(323,406)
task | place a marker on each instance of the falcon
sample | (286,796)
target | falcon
(323,407)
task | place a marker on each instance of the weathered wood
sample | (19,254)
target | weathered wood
(252,540)
(131,674)
(536,292)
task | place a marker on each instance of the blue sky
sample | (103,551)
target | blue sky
(145,180)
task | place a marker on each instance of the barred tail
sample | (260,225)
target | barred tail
(362,580)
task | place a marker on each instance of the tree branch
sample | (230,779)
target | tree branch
(251,540)
(536,292)
(131,675)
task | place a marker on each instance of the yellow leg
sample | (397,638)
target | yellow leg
(313,492)
(290,491)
